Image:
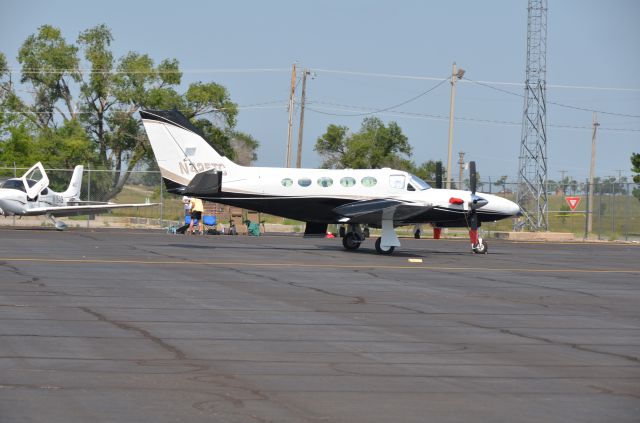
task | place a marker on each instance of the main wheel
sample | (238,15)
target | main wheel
(481,247)
(351,241)
(381,250)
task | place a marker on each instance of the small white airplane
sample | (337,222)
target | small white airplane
(30,195)
(381,198)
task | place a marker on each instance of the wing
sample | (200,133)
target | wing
(373,211)
(80,210)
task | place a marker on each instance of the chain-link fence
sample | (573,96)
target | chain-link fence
(615,210)
(615,214)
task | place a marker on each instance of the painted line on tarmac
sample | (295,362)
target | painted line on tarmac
(309,265)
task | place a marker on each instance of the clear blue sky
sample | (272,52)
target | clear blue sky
(590,43)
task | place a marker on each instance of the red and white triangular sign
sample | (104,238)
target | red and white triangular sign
(573,202)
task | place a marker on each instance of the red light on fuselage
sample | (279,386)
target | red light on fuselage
(454,200)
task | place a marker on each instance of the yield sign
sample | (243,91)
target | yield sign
(573,202)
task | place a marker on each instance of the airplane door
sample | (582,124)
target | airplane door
(35,173)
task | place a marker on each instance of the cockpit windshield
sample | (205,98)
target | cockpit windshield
(17,184)
(418,183)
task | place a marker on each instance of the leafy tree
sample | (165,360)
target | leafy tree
(332,146)
(635,167)
(374,146)
(104,100)
(427,171)
(635,163)
(502,182)
(15,130)
(244,146)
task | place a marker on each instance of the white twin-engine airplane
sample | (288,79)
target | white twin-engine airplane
(30,195)
(381,198)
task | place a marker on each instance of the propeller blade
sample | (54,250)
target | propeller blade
(472,178)
(473,220)
(439,175)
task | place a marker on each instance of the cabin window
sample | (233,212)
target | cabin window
(368,181)
(325,182)
(396,181)
(410,187)
(287,182)
(304,182)
(347,181)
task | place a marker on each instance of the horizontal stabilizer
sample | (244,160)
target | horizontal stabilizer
(205,184)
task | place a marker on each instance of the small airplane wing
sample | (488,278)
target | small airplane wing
(372,211)
(81,210)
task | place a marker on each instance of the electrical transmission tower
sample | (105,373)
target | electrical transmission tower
(532,174)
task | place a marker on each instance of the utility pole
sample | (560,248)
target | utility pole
(301,127)
(455,75)
(461,164)
(564,187)
(592,170)
(291,106)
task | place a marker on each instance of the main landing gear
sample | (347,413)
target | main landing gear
(353,236)
(58,224)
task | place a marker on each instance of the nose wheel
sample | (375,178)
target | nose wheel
(479,247)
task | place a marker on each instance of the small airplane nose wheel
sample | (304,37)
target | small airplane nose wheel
(480,247)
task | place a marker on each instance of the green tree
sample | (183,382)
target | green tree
(83,83)
(15,131)
(502,182)
(635,168)
(244,148)
(427,171)
(374,146)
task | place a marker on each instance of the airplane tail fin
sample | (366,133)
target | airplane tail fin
(73,192)
(180,149)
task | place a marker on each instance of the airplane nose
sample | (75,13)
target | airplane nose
(508,207)
(515,209)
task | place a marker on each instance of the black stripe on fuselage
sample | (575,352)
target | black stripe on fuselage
(320,209)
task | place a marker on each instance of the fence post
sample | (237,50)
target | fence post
(586,214)
(626,214)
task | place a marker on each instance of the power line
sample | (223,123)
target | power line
(384,109)
(584,109)
(346,107)
(116,72)
(318,70)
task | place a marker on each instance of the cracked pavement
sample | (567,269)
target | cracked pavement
(114,325)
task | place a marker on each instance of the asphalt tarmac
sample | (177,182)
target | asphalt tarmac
(122,326)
